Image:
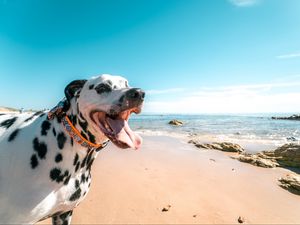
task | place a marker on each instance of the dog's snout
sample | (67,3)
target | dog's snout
(135,94)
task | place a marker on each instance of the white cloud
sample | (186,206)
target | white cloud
(243,3)
(258,87)
(228,104)
(289,56)
(233,99)
(164,91)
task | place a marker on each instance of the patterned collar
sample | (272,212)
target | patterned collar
(74,133)
(70,129)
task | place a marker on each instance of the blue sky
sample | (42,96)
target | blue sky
(191,56)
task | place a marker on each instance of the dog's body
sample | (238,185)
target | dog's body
(43,171)
(28,191)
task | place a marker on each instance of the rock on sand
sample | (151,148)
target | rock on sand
(291,182)
(222,146)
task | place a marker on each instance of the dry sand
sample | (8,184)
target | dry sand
(196,186)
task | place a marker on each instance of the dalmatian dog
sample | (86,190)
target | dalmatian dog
(46,157)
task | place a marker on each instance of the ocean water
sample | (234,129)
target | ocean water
(259,127)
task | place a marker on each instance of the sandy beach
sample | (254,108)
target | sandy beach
(194,186)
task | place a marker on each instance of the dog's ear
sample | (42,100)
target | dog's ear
(72,87)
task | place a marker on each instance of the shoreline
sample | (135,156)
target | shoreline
(250,145)
(194,186)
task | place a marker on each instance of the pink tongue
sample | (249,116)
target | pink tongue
(124,133)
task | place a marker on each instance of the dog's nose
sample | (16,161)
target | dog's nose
(135,94)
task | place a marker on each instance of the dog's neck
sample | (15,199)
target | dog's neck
(84,126)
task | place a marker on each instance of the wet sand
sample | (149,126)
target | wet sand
(195,186)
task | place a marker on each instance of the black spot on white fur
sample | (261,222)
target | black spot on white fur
(58,119)
(83,162)
(38,113)
(34,161)
(82,178)
(57,175)
(66,173)
(76,158)
(83,125)
(34,115)
(76,195)
(91,137)
(89,157)
(29,118)
(77,166)
(61,140)
(73,119)
(67,180)
(62,218)
(103,88)
(58,158)
(81,116)
(43,114)
(77,184)
(89,165)
(40,148)
(8,123)
(45,127)
(54,132)
(13,135)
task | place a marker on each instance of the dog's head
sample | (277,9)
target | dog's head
(105,102)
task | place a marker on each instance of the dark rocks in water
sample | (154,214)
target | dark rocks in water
(290,182)
(222,146)
(291,139)
(293,117)
(287,155)
(176,122)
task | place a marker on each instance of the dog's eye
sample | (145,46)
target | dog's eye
(103,88)
(109,82)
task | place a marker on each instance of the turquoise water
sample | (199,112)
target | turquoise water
(254,126)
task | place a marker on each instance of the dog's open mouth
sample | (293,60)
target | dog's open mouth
(116,128)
